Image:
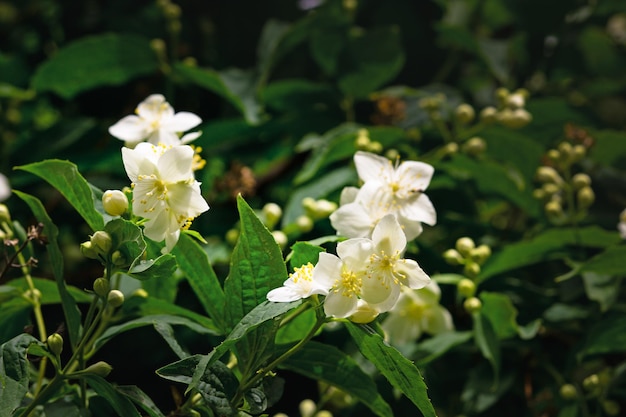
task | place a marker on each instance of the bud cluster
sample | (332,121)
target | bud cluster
(466,253)
(364,143)
(566,197)
(510,111)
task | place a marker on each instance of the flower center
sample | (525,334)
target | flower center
(383,267)
(305,273)
(349,284)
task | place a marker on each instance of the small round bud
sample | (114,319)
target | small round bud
(280,237)
(578,152)
(174,26)
(502,94)
(101,287)
(307,408)
(115,298)
(488,115)
(471,269)
(172,11)
(553,155)
(548,174)
(88,250)
(140,292)
(114,202)
(5,215)
(515,101)
(518,118)
(362,140)
(465,113)
(480,254)
(553,208)
(475,146)
(466,287)
(323,413)
(304,223)
(364,313)
(464,245)
(591,382)
(118,258)
(453,257)
(272,213)
(568,392)
(451,148)
(611,408)
(375,147)
(550,189)
(158,45)
(472,305)
(581,180)
(565,149)
(190,61)
(323,209)
(392,154)
(33,294)
(622,216)
(231,236)
(55,344)
(101,242)
(539,194)
(585,197)
(101,369)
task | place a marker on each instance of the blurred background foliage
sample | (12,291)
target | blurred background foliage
(284,87)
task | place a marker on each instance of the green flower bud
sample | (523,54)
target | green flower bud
(565,151)
(568,392)
(475,146)
(362,140)
(272,213)
(307,408)
(363,314)
(471,269)
(114,202)
(172,11)
(33,294)
(322,209)
(550,189)
(115,298)
(502,94)
(140,292)
(585,197)
(101,369)
(5,215)
(231,236)
(591,382)
(55,344)
(548,174)
(451,148)
(466,287)
(280,237)
(480,254)
(88,250)
(118,258)
(581,180)
(515,101)
(553,208)
(453,257)
(101,287)
(517,118)
(578,152)
(464,245)
(375,147)
(304,223)
(465,113)
(158,45)
(553,155)
(539,194)
(488,115)
(392,154)
(323,413)
(472,305)
(101,242)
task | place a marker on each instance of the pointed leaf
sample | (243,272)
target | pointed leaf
(303,253)
(432,348)
(398,370)
(14,372)
(141,399)
(501,312)
(120,403)
(487,341)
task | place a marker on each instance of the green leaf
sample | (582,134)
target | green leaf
(609,148)
(120,403)
(328,40)
(602,288)
(297,328)
(600,53)
(14,372)
(64,176)
(501,312)
(605,336)
(398,370)
(14,315)
(70,309)
(162,267)
(49,290)
(303,253)
(95,61)
(328,364)
(432,348)
(141,399)
(154,306)
(153,320)
(256,266)
(194,263)
(609,262)
(487,341)
(562,312)
(167,333)
(545,246)
(296,95)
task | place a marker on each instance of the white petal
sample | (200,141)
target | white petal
(420,209)
(415,277)
(185,199)
(375,291)
(170,241)
(388,236)
(163,137)
(372,167)
(154,108)
(414,175)
(438,320)
(136,162)
(283,295)
(181,122)
(190,137)
(5,188)
(130,129)
(338,305)
(351,220)
(401,330)
(348,195)
(175,164)
(327,270)
(412,229)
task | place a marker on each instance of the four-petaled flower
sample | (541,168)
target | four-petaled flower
(156,122)
(299,285)
(165,191)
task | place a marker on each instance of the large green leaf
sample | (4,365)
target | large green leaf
(256,266)
(605,336)
(398,370)
(501,312)
(515,149)
(153,306)
(432,348)
(141,399)
(95,61)
(64,176)
(328,364)
(14,372)
(118,401)
(487,341)
(70,309)
(303,253)
(609,148)
(609,262)
(195,264)
(545,246)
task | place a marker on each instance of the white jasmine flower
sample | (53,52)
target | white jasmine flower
(156,123)
(387,270)
(5,188)
(417,312)
(165,191)
(299,285)
(400,188)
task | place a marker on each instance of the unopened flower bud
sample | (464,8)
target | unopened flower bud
(88,250)
(158,45)
(451,148)
(465,113)
(471,269)
(515,101)
(364,313)
(140,292)
(539,194)
(33,294)
(502,94)
(172,11)
(115,298)
(488,115)
(280,237)
(392,154)
(101,242)
(578,152)
(100,368)
(622,216)
(101,287)
(475,146)
(307,408)
(118,258)
(362,140)
(548,174)
(581,180)
(553,155)
(480,254)
(323,413)
(466,287)
(516,118)
(231,236)
(553,208)
(464,245)
(375,147)
(550,189)
(323,209)
(114,202)
(585,197)
(591,382)
(453,257)
(304,223)
(472,305)
(55,344)
(568,392)
(272,213)
(5,215)
(565,150)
